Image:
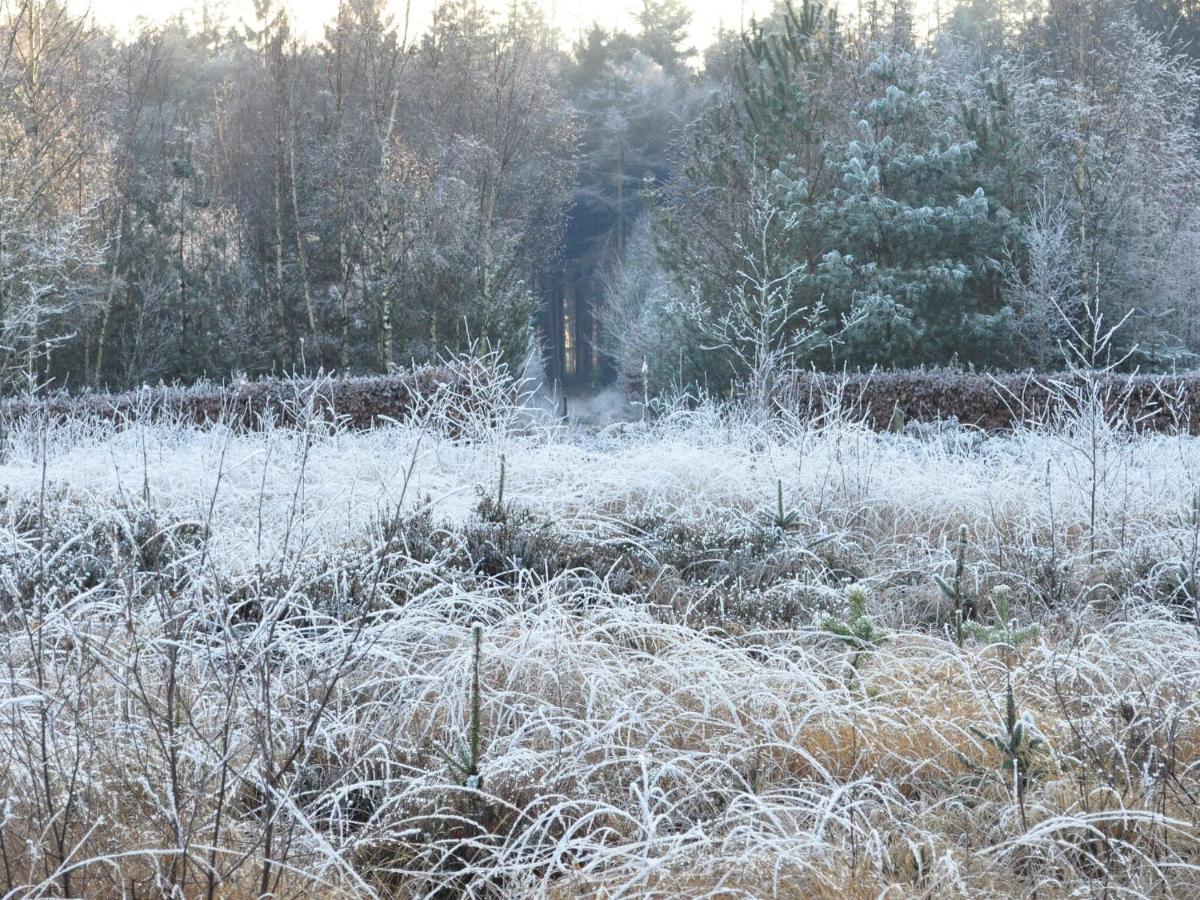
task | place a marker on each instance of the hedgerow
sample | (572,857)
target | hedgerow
(883,400)
(354,402)
(993,402)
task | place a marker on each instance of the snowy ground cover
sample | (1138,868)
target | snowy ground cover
(520,659)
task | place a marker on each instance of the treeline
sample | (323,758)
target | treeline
(203,198)
(1019,190)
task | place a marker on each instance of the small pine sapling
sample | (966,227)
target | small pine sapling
(493,510)
(856,630)
(1004,630)
(964,606)
(1018,745)
(500,486)
(784,520)
(464,761)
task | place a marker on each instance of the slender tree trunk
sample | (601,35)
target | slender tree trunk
(435,303)
(385,332)
(344,344)
(184,319)
(620,196)
(283,329)
(385,298)
(106,310)
(342,204)
(486,287)
(301,257)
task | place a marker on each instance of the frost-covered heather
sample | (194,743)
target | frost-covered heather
(242,663)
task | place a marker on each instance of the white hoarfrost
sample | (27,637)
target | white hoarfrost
(271,689)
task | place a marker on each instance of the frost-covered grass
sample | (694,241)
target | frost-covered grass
(241,663)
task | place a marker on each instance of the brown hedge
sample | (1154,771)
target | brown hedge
(991,402)
(996,402)
(356,402)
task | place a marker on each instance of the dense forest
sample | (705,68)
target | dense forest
(1010,184)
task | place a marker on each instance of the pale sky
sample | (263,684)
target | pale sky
(309,16)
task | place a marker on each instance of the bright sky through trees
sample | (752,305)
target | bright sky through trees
(311,15)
